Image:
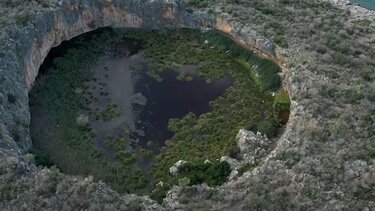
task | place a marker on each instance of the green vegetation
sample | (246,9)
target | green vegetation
(108,113)
(23,18)
(308,192)
(41,158)
(366,73)
(116,144)
(11,98)
(125,158)
(371,153)
(212,174)
(353,95)
(282,102)
(336,128)
(362,22)
(245,168)
(336,43)
(369,118)
(159,193)
(146,153)
(290,158)
(199,3)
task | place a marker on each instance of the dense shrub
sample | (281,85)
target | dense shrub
(290,158)
(41,158)
(336,43)
(366,73)
(282,102)
(159,193)
(352,96)
(199,3)
(268,127)
(11,98)
(213,174)
(280,41)
(267,70)
(233,151)
(268,75)
(371,153)
(23,18)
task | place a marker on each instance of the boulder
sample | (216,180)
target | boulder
(253,146)
(175,168)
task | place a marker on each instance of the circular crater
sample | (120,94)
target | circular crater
(124,105)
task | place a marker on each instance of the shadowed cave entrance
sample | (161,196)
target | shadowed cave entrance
(124,105)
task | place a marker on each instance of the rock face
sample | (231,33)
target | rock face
(253,146)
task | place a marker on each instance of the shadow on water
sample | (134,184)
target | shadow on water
(62,49)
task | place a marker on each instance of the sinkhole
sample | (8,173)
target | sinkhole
(124,105)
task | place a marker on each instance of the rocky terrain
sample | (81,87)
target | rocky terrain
(323,161)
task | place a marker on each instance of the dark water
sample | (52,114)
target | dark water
(60,50)
(369,4)
(173,98)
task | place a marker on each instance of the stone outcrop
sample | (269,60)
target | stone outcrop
(253,146)
(173,170)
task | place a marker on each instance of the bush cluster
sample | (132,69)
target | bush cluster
(212,174)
